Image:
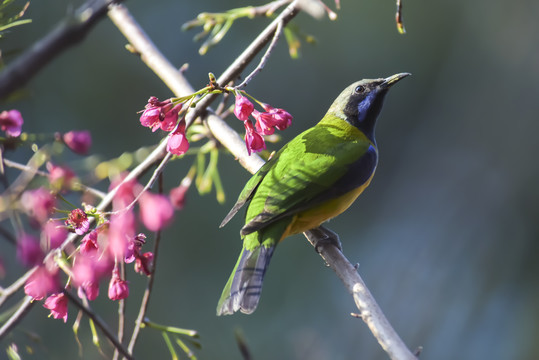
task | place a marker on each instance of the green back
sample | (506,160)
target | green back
(298,176)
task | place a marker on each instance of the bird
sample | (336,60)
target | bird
(311,179)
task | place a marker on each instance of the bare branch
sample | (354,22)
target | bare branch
(13,288)
(100,324)
(158,153)
(146,297)
(26,168)
(369,309)
(71,31)
(16,317)
(264,58)
(323,240)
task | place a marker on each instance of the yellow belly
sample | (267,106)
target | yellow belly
(314,217)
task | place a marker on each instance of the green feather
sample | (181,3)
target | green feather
(312,178)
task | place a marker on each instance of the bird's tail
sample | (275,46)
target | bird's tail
(243,289)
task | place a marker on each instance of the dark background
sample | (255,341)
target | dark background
(446,235)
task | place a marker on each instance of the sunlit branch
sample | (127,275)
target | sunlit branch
(264,58)
(369,309)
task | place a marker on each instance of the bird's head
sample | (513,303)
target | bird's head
(360,103)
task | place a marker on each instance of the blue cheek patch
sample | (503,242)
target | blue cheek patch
(363,106)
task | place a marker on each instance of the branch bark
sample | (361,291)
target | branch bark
(68,33)
(100,324)
(370,312)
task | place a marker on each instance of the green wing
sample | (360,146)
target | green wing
(305,173)
(249,189)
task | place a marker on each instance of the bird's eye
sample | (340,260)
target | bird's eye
(359,89)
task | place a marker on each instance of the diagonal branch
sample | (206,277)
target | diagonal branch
(370,312)
(68,33)
(100,323)
(14,319)
(13,77)
(265,58)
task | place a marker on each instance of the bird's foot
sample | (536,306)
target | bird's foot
(322,236)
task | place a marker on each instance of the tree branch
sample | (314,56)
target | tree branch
(324,242)
(14,319)
(265,58)
(69,32)
(369,309)
(100,324)
(158,153)
(149,286)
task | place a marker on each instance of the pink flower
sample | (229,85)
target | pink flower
(41,283)
(177,196)
(57,304)
(118,288)
(88,245)
(243,107)
(160,114)
(78,221)
(88,270)
(89,289)
(11,122)
(150,118)
(121,229)
(38,203)
(125,193)
(253,140)
(78,141)
(263,126)
(133,248)
(156,211)
(54,233)
(144,263)
(177,142)
(279,118)
(155,112)
(60,177)
(171,118)
(28,250)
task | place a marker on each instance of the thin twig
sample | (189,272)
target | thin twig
(146,297)
(380,327)
(13,288)
(269,8)
(158,171)
(238,149)
(149,53)
(264,58)
(23,167)
(398,18)
(241,62)
(154,156)
(121,316)
(100,324)
(16,317)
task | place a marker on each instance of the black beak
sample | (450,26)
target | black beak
(388,82)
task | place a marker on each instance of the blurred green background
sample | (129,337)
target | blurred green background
(446,236)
